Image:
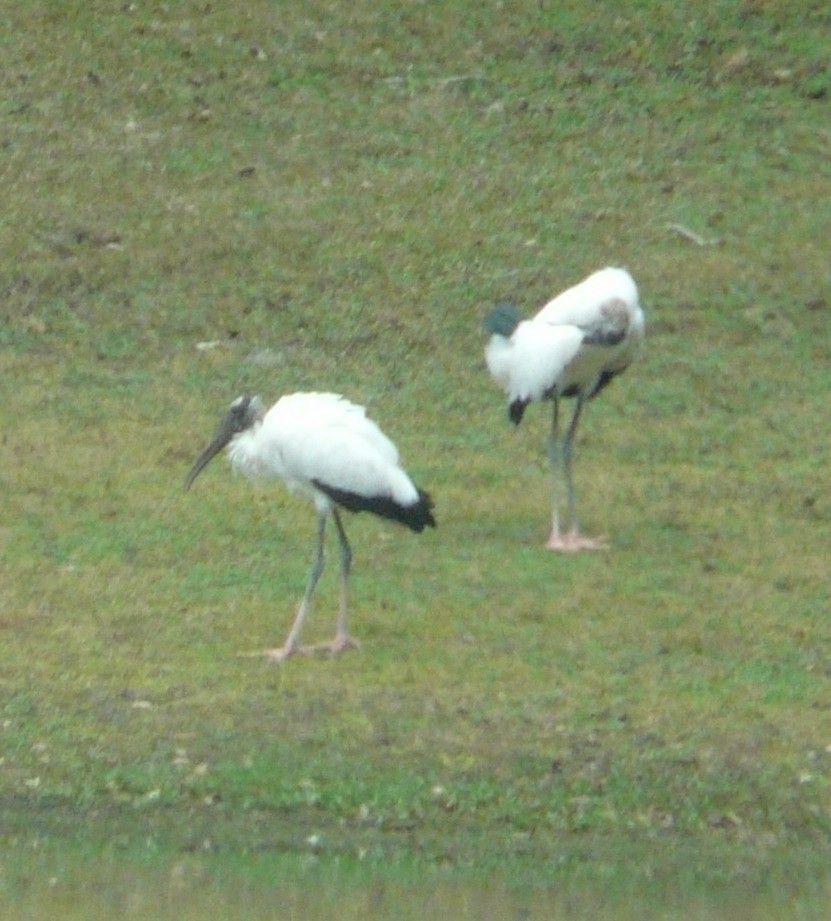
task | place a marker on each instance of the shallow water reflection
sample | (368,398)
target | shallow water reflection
(46,886)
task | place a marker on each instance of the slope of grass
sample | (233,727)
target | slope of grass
(201,201)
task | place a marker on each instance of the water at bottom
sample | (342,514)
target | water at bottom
(49,885)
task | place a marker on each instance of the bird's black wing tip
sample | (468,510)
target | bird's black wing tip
(416,516)
(425,517)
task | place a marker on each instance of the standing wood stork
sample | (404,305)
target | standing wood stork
(325,447)
(573,347)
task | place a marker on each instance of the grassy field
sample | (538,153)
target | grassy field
(201,201)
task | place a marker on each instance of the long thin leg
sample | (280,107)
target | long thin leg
(568,455)
(342,640)
(555,457)
(563,454)
(318,563)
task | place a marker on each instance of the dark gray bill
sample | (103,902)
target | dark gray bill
(212,448)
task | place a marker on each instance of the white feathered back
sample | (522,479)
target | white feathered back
(580,304)
(532,361)
(307,437)
(559,349)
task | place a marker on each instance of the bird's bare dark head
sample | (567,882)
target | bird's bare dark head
(503,319)
(243,413)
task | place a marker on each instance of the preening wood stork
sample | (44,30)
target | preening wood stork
(325,447)
(574,346)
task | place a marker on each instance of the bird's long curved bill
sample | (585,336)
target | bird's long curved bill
(214,446)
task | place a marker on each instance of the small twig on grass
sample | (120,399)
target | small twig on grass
(463,81)
(692,236)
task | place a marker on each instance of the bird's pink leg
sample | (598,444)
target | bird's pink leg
(339,643)
(280,654)
(561,453)
(292,645)
(573,542)
(341,640)
(334,646)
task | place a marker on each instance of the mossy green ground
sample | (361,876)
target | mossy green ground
(200,201)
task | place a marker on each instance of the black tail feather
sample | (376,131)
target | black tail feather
(516,410)
(416,516)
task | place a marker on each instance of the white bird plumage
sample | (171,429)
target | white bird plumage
(325,447)
(572,347)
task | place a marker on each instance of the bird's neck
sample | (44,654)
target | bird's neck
(243,451)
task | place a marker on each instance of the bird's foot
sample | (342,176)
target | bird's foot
(334,646)
(573,542)
(272,655)
(276,655)
(281,653)
(338,644)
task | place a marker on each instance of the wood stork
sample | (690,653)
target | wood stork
(325,447)
(574,346)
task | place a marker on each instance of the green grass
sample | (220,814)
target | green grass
(333,196)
